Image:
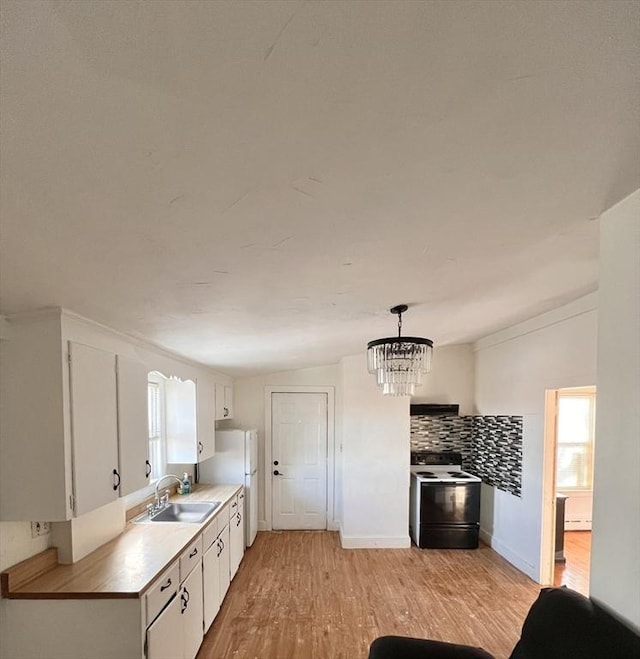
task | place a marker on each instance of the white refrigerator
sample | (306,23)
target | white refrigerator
(236,462)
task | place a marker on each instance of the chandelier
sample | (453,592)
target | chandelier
(399,362)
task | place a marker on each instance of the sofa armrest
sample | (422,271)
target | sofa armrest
(401,647)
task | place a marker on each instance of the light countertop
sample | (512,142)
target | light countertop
(127,565)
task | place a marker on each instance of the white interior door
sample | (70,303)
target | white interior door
(299,460)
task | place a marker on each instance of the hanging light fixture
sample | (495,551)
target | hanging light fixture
(399,362)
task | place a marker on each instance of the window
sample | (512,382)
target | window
(157,438)
(575,435)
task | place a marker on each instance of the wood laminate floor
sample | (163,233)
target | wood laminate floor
(575,572)
(299,595)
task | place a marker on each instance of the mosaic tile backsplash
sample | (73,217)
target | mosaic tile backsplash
(491,446)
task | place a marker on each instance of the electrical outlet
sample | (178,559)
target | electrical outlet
(40,528)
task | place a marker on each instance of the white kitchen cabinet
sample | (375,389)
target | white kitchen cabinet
(133,425)
(164,636)
(180,414)
(94,429)
(190,420)
(191,610)
(164,622)
(176,633)
(236,535)
(59,443)
(223,561)
(206,421)
(224,401)
(210,574)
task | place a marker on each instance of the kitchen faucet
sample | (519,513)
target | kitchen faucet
(165,498)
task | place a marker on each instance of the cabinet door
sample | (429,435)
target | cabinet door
(180,408)
(94,428)
(133,425)
(223,561)
(206,426)
(211,585)
(165,635)
(224,401)
(228,401)
(191,609)
(236,541)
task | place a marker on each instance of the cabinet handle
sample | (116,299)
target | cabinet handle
(116,485)
(234,504)
(239,519)
(200,447)
(226,411)
(193,553)
(219,549)
(148,473)
(185,600)
(166,585)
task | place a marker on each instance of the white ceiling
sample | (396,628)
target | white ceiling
(254,184)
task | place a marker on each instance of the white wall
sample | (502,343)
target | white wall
(615,549)
(513,369)
(451,379)
(375,461)
(249,412)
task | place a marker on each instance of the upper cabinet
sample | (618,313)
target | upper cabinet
(190,420)
(75,422)
(133,425)
(60,435)
(94,427)
(206,423)
(224,401)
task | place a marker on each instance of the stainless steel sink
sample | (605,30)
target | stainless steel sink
(189,512)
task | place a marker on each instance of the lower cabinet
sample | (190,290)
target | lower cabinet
(177,632)
(211,585)
(191,611)
(167,622)
(236,539)
(223,561)
(164,636)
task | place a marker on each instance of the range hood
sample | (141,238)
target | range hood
(434,409)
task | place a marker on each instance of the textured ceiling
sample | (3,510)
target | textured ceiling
(254,184)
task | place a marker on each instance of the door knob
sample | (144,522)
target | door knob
(277,473)
(276,463)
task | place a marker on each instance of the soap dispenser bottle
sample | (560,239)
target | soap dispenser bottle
(186,483)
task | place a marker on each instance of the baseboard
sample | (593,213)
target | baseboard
(331,525)
(578,525)
(374,542)
(508,554)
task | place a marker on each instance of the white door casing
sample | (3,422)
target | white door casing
(299,446)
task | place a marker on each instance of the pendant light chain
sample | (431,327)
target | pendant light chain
(399,323)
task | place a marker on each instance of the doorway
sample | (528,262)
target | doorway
(299,463)
(569,444)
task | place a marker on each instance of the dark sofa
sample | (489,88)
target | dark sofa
(561,624)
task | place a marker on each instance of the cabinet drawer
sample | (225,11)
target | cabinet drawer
(223,516)
(162,591)
(233,506)
(210,534)
(190,558)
